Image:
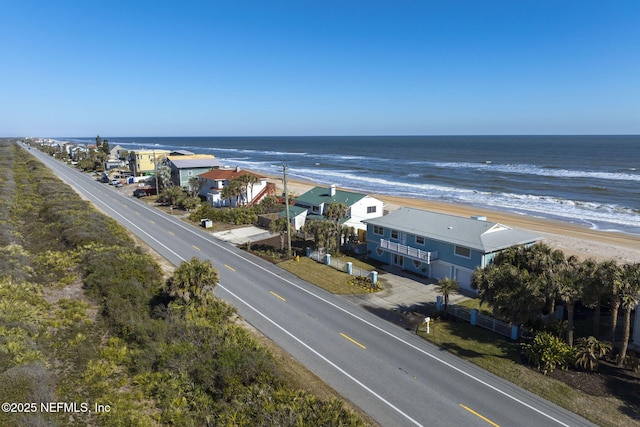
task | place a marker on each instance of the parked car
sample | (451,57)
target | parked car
(144,191)
(114,182)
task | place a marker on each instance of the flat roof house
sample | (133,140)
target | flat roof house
(440,245)
(186,166)
(143,162)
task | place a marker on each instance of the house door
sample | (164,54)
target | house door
(398,260)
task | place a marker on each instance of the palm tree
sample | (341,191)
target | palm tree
(512,292)
(233,190)
(192,280)
(570,291)
(172,194)
(630,296)
(447,287)
(335,212)
(282,227)
(547,264)
(248,180)
(615,301)
(598,286)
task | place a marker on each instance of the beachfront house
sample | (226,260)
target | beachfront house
(312,204)
(186,166)
(214,181)
(143,162)
(438,245)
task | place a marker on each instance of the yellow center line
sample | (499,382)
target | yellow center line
(229,267)
(152,221)
(195,247)
(277,296)
(172,233)
(137,213)
(479,416)
(352,340)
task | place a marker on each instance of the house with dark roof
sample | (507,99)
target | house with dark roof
(438,245)
(214,181)
(312,205)
(185,165)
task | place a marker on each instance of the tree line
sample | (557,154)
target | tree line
(525,284)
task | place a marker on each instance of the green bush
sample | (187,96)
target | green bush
(589,351)
(547,352)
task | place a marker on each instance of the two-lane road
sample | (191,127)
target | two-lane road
(393,375)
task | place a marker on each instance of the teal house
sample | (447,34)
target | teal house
(439,245)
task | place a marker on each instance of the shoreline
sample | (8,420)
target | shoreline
(572,239)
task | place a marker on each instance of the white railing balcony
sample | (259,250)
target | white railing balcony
(408,251)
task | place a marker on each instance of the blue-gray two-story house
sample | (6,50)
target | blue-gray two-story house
(438,245)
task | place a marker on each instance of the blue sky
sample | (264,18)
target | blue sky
(222,68)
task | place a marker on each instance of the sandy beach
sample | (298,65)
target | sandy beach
(571,239)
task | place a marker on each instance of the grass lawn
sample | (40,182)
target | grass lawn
(492,352)
(323,276)
(501,357)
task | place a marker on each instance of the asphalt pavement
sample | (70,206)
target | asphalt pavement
(392,374)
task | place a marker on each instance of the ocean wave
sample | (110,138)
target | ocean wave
(259,152)
(546,206)
(528,169)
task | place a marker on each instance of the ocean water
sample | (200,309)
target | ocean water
(587,180)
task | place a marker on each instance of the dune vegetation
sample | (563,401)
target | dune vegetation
(87,318)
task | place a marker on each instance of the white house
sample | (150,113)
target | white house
(312,205)
(215,180)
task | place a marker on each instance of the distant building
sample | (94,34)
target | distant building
(186,166)
(143,162)
(439,245)
(215,180)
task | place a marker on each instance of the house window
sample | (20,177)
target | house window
(315,209)
(394,234)
(463,252)
(371,209)
(378,230)
(419,240)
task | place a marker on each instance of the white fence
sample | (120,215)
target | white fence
(321,257)
(475,318)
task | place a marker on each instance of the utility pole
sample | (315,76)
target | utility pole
(286,206)
(155,164)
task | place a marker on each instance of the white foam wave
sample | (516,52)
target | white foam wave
(548,206)
(528,169)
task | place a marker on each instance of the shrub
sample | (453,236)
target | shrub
(547,352)
(589,351)
(365,283)
(632,363)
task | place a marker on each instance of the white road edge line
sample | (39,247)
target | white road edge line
(308,347)
(210,240)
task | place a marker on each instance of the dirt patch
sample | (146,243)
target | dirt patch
(609,381)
